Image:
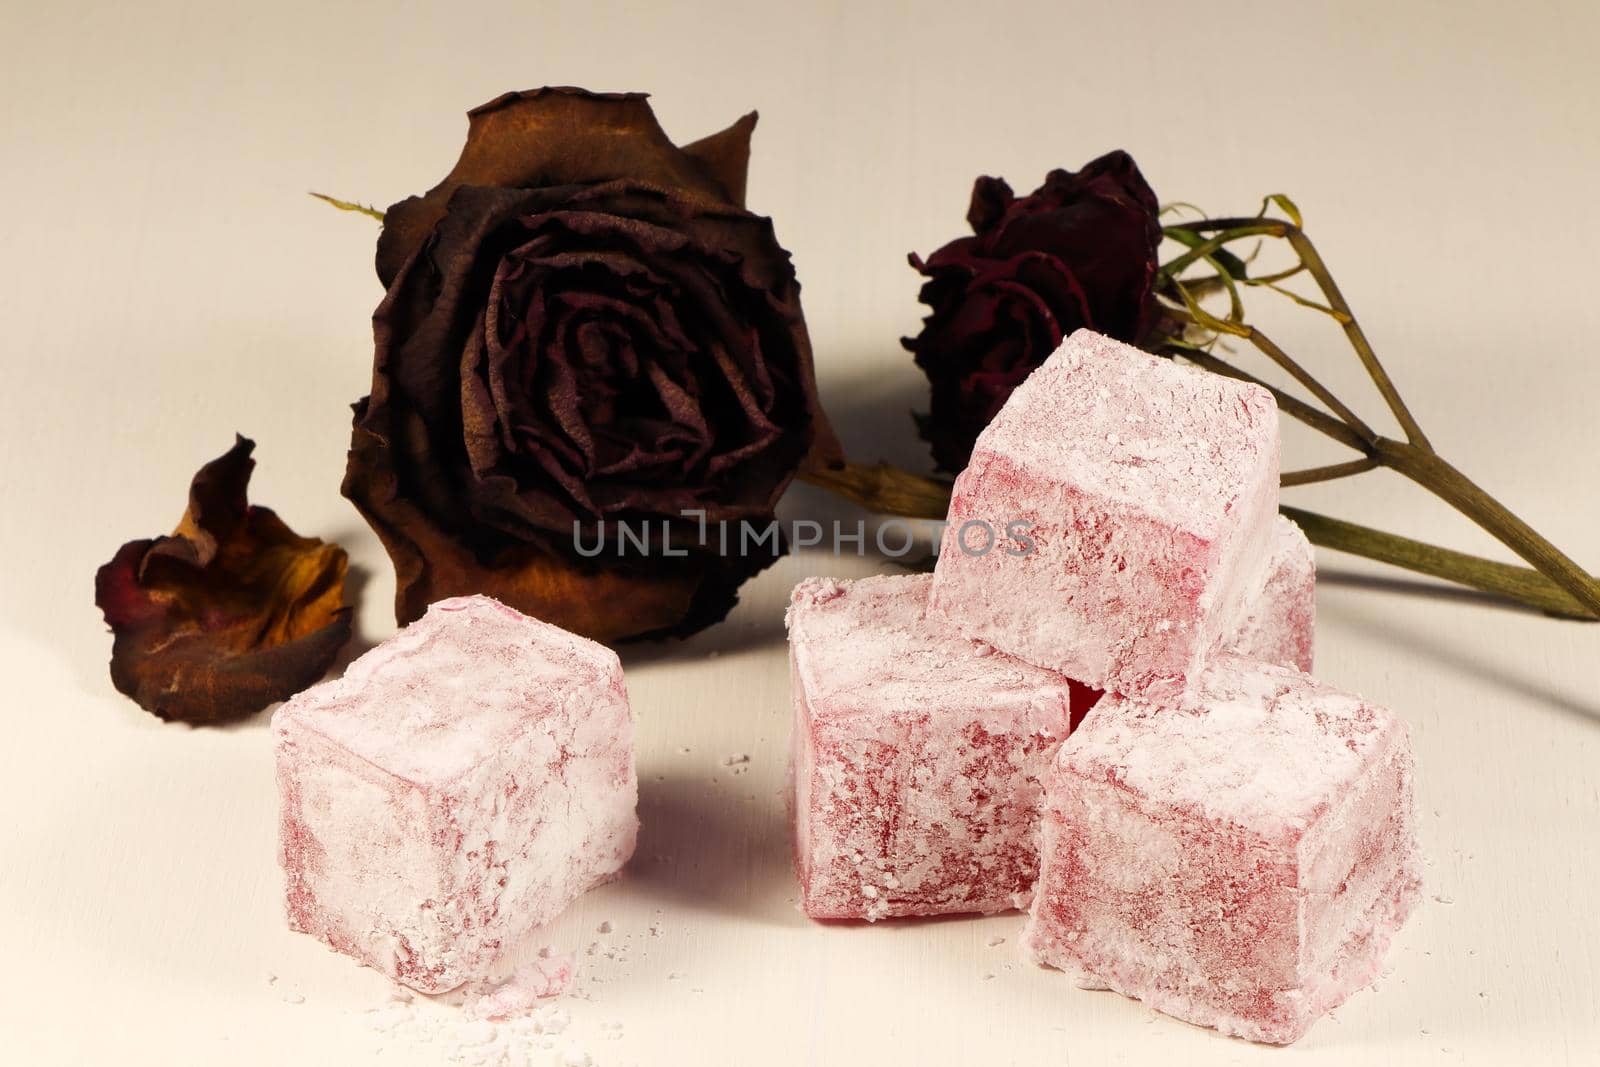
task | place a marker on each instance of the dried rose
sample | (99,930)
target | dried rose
(1080,251)
(230,613)
(583,326)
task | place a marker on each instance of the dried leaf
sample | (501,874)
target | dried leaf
(230,613)
(350,205)
(1289,207)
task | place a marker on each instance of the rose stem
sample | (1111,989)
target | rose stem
(1426,468)
(890,490)
(1311,475)
(1522,584)
(1416,457)
(1431,471)
(1232,229)
(884,488)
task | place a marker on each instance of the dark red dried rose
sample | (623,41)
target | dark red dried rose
(583,326)
(230,613)
(1081,251)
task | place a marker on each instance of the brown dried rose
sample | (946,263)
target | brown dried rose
(230,613)
(583,327)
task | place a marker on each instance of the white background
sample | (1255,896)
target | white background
(164,281)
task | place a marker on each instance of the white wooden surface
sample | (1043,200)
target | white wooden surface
(164,282)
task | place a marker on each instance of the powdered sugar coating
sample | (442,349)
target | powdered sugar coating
(1264,747)
(1239,860)
(459,786)
(1145,491)
(454,687)
(916,756)
(1280,621)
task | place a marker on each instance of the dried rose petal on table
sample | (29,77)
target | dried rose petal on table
(583,326)
(230,613)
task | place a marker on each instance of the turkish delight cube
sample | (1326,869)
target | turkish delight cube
(459,786)
(1113,518)
(917,756)
(1280,620)
(1239,860)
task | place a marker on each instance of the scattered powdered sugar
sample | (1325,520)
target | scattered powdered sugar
(545,977)
(514,1021)
(288,996)
(458,1038)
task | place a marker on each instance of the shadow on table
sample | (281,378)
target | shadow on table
(720,848)
(740,632)
(1501,668)
(870,401)
(1420,587)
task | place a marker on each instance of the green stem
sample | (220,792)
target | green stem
(1358,339)
(1521,584)
(1311,475)
(1232,229)
(1235,230)
(1415,458)
(1274,352)
(1431,471)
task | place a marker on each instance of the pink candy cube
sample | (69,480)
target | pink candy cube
(460,785)
(1114,517)
(917,756)
(1280,620)
(1240,860)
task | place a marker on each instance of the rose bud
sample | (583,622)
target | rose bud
(1079,252)
(585,336)
(230,613)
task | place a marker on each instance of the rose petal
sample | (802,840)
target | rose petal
(601,599)
(990,199)
(1079,251)
(726,156)
(231,613)
(554,137)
